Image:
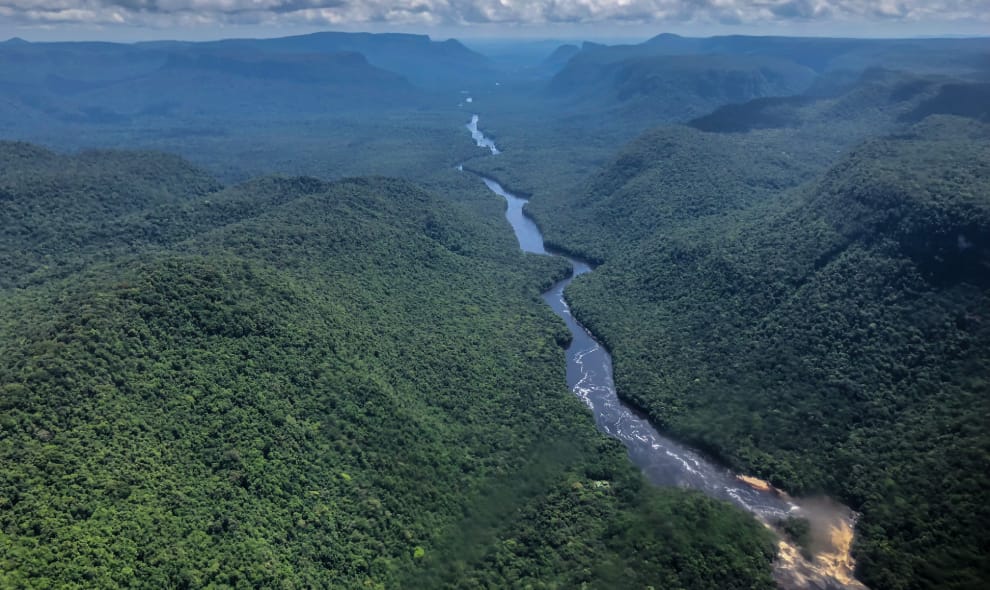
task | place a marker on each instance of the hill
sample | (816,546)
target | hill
(839,91)
(747,151)
(307,384)
(59,212)
(604,96)
(556,61)
(672,88)
(673,78)
(827,335)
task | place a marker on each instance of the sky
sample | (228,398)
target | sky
(132,20)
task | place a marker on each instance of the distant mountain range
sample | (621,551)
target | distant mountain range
(823,54)
(46,86)
(673,78)
(114,83)
(424,62)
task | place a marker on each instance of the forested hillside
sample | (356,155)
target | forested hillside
(297,383)
(554,137)
(672,88)
(829,339)
(311,355)
(829,334)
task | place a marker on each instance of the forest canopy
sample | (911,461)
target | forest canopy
(297,383)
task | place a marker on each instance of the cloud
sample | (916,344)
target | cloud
(166,13)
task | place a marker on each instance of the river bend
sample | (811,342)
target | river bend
(589,375)
(663,461)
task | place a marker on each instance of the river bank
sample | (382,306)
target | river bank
(666,462)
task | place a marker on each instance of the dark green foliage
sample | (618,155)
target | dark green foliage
(292,383)
(964,100)
(640,541)
(789,139)
(827,335)
(705,174)
(819,329)
(108,83)
(671,78)
(560,56)
(765,113)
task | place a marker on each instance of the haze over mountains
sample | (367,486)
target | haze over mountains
(103,83)
(667,77)
(774,275)
(259,329)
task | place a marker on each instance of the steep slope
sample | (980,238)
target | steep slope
(556,61)
(747,154)
(672,78)
(583,126)
(307,384)
(965,100)
(830,338)
(86,63)
(426,62)
(673,88)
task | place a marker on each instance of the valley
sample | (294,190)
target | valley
(262,322)
(664,461)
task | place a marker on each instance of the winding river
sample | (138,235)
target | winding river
(664,461)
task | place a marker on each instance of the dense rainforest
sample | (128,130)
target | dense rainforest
(799,287)
(257,330)
(296,383)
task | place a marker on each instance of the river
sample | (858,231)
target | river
(666,462)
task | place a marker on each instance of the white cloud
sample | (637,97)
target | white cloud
(165,13)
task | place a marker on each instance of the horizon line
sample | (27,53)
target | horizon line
(496,37)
